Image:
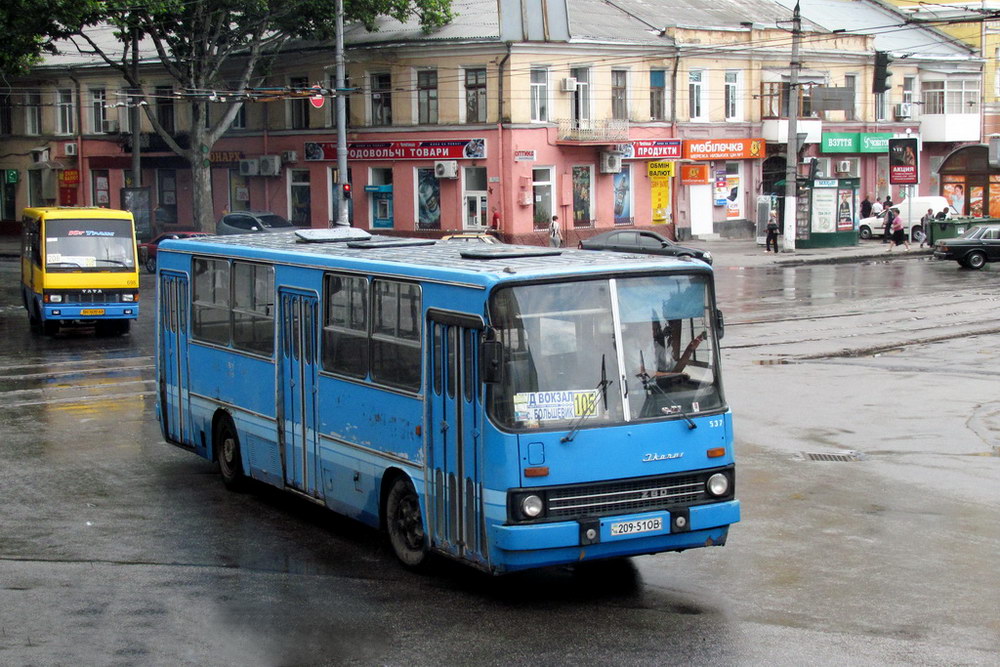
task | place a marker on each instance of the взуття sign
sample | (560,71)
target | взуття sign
(856,142)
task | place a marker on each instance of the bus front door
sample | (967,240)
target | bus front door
(173,389)
(297,404)
(455,459)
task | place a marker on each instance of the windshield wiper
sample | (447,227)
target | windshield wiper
(602,387)
(112,261)
(48,264)
(649,383)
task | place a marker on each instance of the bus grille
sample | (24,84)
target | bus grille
(639,495)
(92,296)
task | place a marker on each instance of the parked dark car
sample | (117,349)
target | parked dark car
(973,249)
(252,222)
(641,241)
(147,250)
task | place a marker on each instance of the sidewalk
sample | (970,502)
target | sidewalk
(726,253)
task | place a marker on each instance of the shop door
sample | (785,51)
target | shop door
(475,210)
(455,458)
(701,209)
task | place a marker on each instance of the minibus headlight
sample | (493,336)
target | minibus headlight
(717,484)
(54,298)
(128,297)
(531,506)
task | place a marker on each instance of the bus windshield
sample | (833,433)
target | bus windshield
(605,351)
(93,245)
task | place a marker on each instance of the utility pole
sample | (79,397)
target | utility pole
(341,102)
(134,119)
(792,159)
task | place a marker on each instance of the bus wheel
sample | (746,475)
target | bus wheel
(404,523)
(227,451)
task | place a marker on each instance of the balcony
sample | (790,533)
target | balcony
(950,127)
(608,131)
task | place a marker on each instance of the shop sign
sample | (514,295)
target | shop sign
(524,156)
(825,183)
(660,169)
(217,157)
(10,176)
(69,177)
(723,149)
(445,149)
(855,142)
(646,149)
(694,174)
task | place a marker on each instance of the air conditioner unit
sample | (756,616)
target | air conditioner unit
(289,156)
(446,169)
(611,163)
(111,126)
(249,167)
(569,85)
(904,110)
(270,165)
(70,149)
(844,167)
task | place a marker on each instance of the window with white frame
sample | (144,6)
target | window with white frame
(851,83)
(619,94)
(427,97)
(299,199)
(732,95)
(298,108)
(475,95)
(33,113)
(539,94)
(542,196)
(657,94)
(98,109)
(581,97)
(695,92)
(909,87)
(65,116)
(880,106)
(381,96)
(950,96)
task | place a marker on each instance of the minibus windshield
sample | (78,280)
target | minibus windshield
(91,245)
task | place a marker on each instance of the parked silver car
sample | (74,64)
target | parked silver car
(252,222)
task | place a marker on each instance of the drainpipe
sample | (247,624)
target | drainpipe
(674,206)
(501,186)
(79,137)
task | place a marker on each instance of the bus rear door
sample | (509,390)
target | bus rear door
(298,374)
(173,360)
(455,459)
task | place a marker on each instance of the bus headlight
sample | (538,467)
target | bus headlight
(54,298)
(717,484)
(128,297)
(531,506)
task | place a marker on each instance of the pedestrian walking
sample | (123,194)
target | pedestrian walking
(898,233)
(925,228)
(890,216)
(866,207)
(555,233)
(772,234)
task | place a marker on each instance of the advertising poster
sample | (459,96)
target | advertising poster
(976,201)
(903,169)
(581,196)
(623,196)
(721,191)
(845,211)
(994,208)
(954,191)
(824,210)
(428,200)
(733,208)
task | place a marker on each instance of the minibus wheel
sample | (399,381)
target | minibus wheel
(50,327)
(227,451)
(405,525)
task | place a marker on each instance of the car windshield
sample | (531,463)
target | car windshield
(649,341)
(273,220)
(91,245)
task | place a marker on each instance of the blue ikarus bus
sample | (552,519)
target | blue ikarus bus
(510,407)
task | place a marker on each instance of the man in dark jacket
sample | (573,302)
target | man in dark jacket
(866,207)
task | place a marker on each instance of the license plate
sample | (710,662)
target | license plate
(92,311)
(635,527)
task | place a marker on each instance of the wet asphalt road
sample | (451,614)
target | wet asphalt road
(118,549)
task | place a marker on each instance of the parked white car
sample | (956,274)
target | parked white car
(911,211)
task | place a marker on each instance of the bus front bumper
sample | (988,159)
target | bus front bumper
(537,545)
(90,311)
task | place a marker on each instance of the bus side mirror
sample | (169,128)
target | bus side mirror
(491,361)
(720,323)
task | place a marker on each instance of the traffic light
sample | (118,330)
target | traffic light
(880,78)
(346,189)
